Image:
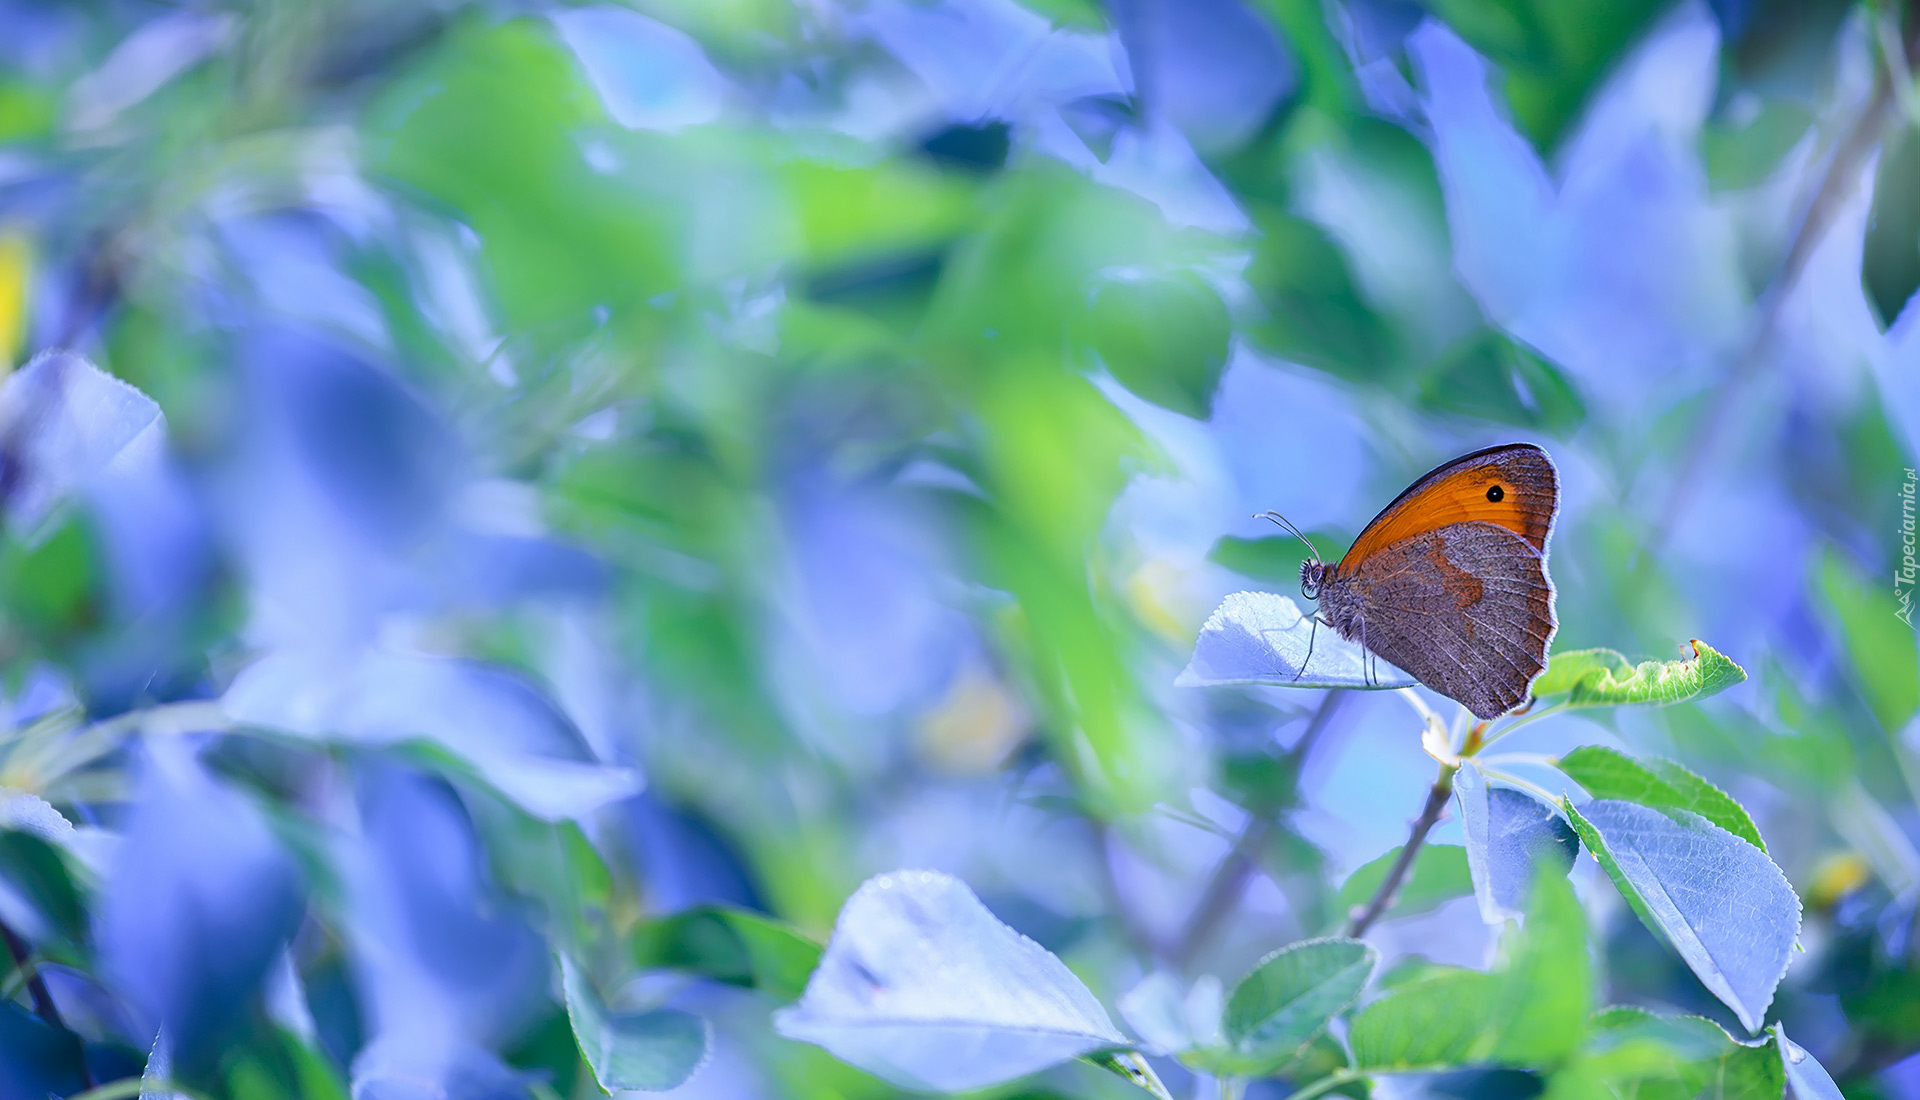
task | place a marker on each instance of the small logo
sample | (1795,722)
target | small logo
(1906,572)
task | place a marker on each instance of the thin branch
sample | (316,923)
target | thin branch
(1835,186)
(1422,825)
(1229,881)
(42,997)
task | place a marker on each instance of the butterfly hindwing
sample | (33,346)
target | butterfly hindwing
(1467,609)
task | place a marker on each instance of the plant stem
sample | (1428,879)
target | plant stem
(127,1087)
(113,1090)
(1326,1084)
(1390,886)
(1230,879)
(42,997)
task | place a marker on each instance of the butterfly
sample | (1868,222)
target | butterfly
(1449,582)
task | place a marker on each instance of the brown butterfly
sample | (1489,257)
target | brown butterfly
(1450,582)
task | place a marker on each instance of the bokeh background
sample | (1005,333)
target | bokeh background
(570,463)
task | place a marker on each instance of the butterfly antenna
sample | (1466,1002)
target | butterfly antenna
(1287,525)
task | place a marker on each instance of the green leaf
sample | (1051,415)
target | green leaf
(649,1051)
(1637,1053)
(1324,1057)
(1890,258)
(1429,1025)
(1275,558)
(730,945)
(1532,1011)
(1881,650)
(34,869)
(1131,1065)
(1738,157)
(1163,338)
(48,585)
(490,125)
(1604,678)
(1662,784)
(1315,312)
(1494,377)
(1439,875)
(1554,52)
(1545,993)
(1289,998)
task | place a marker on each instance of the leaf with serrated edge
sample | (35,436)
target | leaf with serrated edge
(1291,995)
(1702,889)
(1604,678)
(1609,773)
(1261,638)
(1430,1025)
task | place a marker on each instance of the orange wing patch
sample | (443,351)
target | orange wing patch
(1514,486)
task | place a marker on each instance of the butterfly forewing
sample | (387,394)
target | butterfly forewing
(1513,486)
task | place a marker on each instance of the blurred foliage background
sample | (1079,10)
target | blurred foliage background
(586,462)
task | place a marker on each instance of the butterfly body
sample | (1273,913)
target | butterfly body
(1450,582)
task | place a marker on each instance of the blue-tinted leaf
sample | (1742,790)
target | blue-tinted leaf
(199,899)
(35,1059)
(1261,638)
(1717,899)
(1161,1011)
(649,1051)
(649,75)
(25,812)
(70,425)
(515,739)
(1508,834)
(156,1078)
(461,957)
(923,986)
(1807,1079)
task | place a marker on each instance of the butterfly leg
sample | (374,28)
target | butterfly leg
(1366,676)
(1312,632)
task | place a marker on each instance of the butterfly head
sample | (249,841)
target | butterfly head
(1312,572)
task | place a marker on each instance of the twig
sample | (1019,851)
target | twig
(1835,186)
(1230,879)
(42,997)
(1390,886)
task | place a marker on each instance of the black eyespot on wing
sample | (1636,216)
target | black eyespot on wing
(1495,493)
